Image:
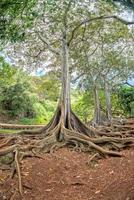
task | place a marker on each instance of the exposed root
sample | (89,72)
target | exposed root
(124,127)
(90,144)
(8,150)
(18,171)
(13,196)
(30,154)
(92,157)
(60,132)
(7,141)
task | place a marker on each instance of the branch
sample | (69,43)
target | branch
(116,75)
(37,55)
(107,69)
(93,51)
(48,44)
(121,51)
(129,84)
(87,58)
(78,77)
(97,18)
(128,3)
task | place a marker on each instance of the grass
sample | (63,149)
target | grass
(11,131)
(7,131)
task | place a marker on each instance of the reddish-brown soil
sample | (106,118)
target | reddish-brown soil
(66,175)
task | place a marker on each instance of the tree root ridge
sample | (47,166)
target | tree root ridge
(75,134)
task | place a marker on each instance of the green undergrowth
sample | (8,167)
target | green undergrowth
(8,131)
(32,121)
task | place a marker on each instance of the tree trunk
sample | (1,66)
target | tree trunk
(97,117)
(107,99)
(65,92)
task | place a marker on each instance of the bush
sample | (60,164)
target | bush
(17,100)
(82,105)
(42,113)
(126,98)
(32,121)
(132,109)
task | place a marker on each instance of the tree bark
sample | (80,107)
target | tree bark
(107,100)
(97,117)
(65,91)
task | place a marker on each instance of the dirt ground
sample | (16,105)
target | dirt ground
(67,175)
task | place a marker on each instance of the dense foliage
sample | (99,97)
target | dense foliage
(126,98)
(29,99)
(11,11)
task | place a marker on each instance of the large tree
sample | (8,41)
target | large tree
(100,60)
(58,25)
